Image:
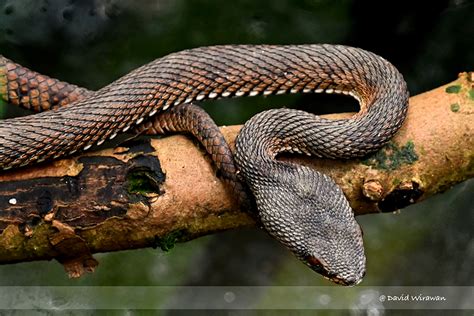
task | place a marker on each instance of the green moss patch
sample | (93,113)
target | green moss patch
(471,94)
(167,242)
(455,107)
(392,156)
(396,181)
(145,175)
(142,182)
(453,89)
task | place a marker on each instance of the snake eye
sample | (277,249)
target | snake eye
(313,261)
(316,264)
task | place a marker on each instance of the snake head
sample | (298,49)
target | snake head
(310,215)
(338,256)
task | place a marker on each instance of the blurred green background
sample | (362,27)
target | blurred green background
(91,43)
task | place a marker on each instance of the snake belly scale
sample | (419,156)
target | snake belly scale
(302,208)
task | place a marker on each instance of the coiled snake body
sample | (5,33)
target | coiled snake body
(301,207)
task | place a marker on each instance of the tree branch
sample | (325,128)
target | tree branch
(155,192)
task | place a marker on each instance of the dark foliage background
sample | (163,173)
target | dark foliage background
(91,43)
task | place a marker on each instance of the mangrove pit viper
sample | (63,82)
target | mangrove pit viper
(299,206)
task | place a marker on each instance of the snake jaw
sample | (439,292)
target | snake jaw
(319,266)
(340,258)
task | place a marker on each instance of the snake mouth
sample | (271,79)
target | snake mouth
(341,281)
(318,266)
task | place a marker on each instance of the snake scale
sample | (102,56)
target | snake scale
(302,208)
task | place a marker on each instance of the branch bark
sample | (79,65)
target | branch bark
(155,192)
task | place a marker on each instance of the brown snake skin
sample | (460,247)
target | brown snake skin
(33,91)
(302,208)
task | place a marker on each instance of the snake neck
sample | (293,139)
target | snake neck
(302,208)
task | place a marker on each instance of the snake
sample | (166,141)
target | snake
(301,207)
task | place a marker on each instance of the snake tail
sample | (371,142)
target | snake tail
(33,91)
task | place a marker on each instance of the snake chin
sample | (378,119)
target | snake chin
(323,269)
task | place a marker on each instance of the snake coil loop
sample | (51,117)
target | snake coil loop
(301,207)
